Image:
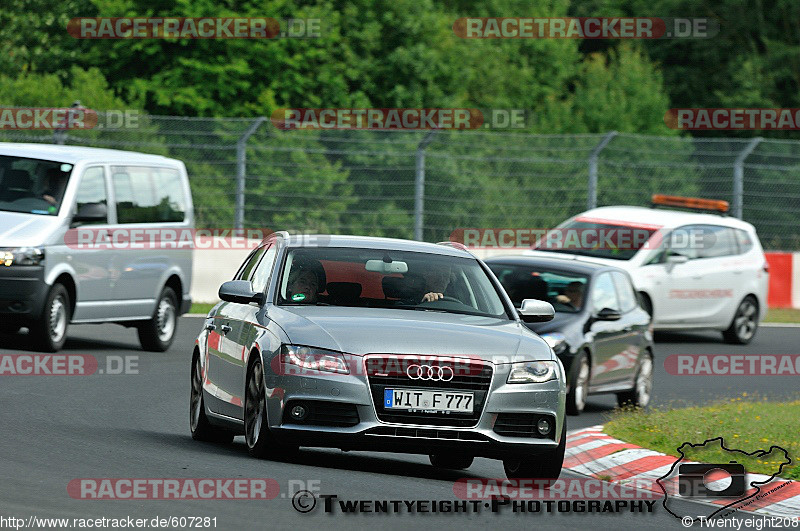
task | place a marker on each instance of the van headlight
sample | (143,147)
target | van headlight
(533,372)
(21,256)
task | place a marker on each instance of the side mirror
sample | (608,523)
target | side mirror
(677,259)
(91,212)
(607,314)
(239,291)
(536,311)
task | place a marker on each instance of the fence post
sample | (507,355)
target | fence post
(591,200)
(738,175)
(419,184)
(241,170)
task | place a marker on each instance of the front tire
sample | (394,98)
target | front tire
(157,333)
(201,428)
(744,324)
(259,439)
(642,390)
(49,332)
(579,386)
(451,461)
(542,466)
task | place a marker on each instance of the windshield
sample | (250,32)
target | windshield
(377,278)
(597,238)
(565,291)
(32,186)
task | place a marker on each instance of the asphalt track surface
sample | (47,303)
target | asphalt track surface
(58,428)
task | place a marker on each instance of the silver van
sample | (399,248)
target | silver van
(69,253)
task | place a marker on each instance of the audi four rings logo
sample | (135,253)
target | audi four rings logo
(427,372)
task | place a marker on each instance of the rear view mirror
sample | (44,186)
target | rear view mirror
(239,291)
(387,268)
(536,311)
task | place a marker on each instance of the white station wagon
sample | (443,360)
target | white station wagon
(693,270)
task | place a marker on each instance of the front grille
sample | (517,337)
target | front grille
(427,433)
(388,371)
(322,413)
(522,425)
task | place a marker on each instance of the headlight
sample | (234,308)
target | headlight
(314,359)
(21,256)
(533,372)
(556,340)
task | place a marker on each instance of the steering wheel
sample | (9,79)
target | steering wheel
(444,298)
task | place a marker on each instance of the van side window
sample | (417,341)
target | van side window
(745,241)
(148,195)
(92,189)
(717,242)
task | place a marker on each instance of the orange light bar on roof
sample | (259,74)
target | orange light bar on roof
(690,202)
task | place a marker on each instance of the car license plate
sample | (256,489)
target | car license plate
(419,399)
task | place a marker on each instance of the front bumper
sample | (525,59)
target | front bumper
(23,291)
(504,405)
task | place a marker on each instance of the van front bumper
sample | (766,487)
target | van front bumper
(22,291)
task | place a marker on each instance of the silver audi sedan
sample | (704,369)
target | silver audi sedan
(378,344)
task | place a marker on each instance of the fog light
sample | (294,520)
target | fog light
(543,426)
(298,412)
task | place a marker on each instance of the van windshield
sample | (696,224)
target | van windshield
(599,238)
(32,186)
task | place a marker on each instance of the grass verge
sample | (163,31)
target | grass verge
(782,315)
(743,423)
(201,307)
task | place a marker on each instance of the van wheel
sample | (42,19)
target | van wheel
(157,333)
(49,332)
(579,385)
(546,465)
(744,324)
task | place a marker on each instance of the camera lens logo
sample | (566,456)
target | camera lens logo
(711,481)
(429,373)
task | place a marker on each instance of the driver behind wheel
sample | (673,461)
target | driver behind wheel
(573,295)
(306,282)
(436,282)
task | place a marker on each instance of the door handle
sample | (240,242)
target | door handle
(211,326)
(698,277)
(225,329)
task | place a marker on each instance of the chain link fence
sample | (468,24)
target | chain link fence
(424,184)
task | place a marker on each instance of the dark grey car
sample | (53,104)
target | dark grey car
(383,345)
(600,333)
